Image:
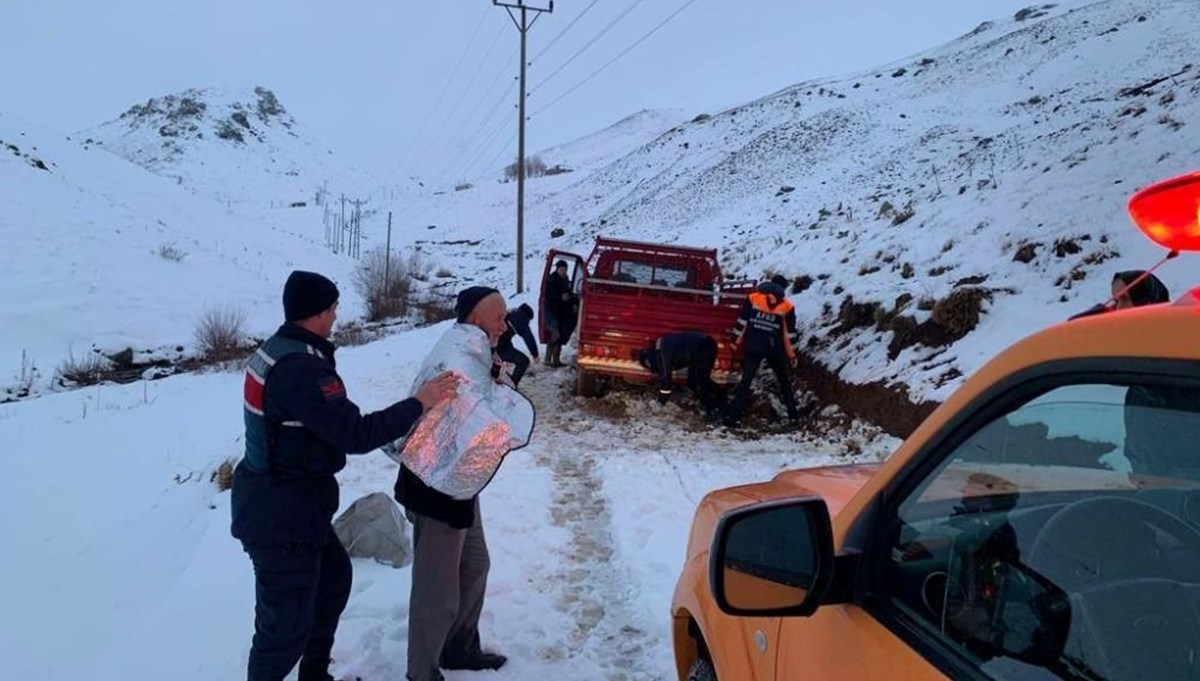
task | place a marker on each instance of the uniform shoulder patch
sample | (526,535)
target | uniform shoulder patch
(332,388)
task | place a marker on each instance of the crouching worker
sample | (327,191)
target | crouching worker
(766,329)
(449,458)
(516,323)
(300,425)
(691,350)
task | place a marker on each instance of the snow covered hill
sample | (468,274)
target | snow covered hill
(100,252)
(997,165)
(236,146)
(999,162)
(619,139)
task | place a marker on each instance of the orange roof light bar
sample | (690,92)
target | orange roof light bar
(1168,212)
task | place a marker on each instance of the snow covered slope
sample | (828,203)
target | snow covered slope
(607,145)
(236,146)
(1024,137)
(99,251)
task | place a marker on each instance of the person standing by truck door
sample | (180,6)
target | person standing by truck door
(559,310)
(693,350)
(766,329)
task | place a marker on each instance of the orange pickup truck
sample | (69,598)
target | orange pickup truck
(1042,523)
(631,293)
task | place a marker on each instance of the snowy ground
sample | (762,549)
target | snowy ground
(119,562)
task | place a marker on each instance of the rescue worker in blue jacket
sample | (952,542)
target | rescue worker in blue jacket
(766,330)
(516,323)
(691,350)
(300,425)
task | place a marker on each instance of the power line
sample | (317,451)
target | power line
(591,42)
(487,166)
(446,86)
(454,108)
(500,152)
(610,62)
(487,118)
(564,31)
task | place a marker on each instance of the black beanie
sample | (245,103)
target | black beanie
(306,294)
(468,298)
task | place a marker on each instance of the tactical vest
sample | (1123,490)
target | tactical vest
(771,322)
(262,435)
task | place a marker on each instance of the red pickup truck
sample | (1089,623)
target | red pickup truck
(630,293)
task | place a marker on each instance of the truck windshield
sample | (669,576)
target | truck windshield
(635,272)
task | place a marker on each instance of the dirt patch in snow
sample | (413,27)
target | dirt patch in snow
(889,407)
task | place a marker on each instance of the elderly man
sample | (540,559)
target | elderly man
(300,425)
(446,461)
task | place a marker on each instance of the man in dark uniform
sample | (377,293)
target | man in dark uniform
(693,350)
(560,312)
(766,329)
(299,427)
(516,323)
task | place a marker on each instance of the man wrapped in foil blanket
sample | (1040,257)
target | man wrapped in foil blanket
(445,462)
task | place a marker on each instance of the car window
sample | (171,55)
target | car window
(647,273)
(1062,539)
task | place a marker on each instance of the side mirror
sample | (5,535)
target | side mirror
(773,559)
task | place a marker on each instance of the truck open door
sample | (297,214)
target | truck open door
(576,270)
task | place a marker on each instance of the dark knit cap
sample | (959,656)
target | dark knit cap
(306,294)
(526,312)
(468,298)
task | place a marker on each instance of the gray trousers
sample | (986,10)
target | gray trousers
(450,569)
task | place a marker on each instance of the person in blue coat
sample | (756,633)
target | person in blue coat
(300,424)
(691,350)
(516,323)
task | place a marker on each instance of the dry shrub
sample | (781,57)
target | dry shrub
(353,333)
(852,315)
(436,309)
(87,370)
(223,476)
(220,335)
(387,287)
(171,252)
(959,312)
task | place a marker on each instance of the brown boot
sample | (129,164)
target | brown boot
(558,356)
(548,360)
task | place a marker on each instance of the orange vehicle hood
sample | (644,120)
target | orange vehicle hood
(835,484)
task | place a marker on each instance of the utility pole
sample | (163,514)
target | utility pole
(523,26)
(342,226)
(387,257)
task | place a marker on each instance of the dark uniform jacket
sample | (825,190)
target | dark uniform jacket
(767,323)
(676,351)
(516,324)
(300,425)
(558,297)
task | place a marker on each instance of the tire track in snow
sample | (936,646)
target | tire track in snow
(588,582)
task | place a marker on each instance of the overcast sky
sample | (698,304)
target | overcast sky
(364,76)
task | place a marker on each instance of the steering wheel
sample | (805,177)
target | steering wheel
(1106,539)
